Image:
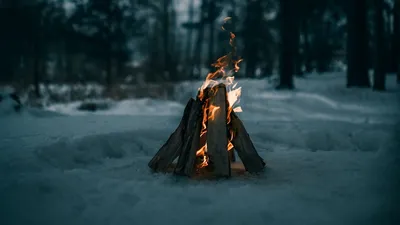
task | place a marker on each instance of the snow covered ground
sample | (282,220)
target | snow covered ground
(332,156)
(144,106)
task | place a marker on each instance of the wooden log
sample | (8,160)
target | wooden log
(171,149)
(231,152)
(191,132)
(244,146)
(192,160)
(217,134)
(194,147)
(232,156)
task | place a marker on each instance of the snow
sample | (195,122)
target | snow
(7,105)
(332,157)
(144,106)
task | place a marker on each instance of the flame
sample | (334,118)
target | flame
(202,153)
(212,110)
(230,145)
(204,122)
(225,76)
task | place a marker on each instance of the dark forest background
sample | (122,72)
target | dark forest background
(114,42)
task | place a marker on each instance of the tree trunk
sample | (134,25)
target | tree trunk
(380,48)
(307,50)
(36,67)
(296,51)
(211,41)
(109,67)
(250,66)
(396,38)
(251,48)
(174,50)
(165,36)
(37,54)
(287,44)
(119,71)
(188,47)
(198,62)
(109,40)
(357,44)
(233,15)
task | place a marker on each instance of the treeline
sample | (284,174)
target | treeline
(365,32)
(118,41)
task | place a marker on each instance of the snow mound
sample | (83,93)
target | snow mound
(97,150)
(8,106)
(145,106)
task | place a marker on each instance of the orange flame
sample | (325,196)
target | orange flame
(230,145)
(212,109)
(220,75)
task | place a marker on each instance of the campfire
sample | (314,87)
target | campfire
(210,131)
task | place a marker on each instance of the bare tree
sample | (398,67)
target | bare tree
(357,44)
(396,38)
(198,52)
(288,31)
(380,47)
(189,37)
(253,27)
(212,14)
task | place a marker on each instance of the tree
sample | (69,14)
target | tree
(106,27)
(23,33)
(288,30)
(169,66)
(193,54)
(380,48)
(357,44)
(253,23)
(305,29)
(198,52)
(9,47)
(214,10)
(189,36)
(396,38)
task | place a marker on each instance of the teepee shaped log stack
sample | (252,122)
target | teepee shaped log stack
(186,140)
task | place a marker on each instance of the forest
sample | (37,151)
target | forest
(113,42)
(112,112)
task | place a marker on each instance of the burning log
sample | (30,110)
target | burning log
(171,149)
(217,134)
(244,146)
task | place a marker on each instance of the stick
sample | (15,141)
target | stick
(194,147)
(194,117)
(171,149)
(232,156)
(244,146)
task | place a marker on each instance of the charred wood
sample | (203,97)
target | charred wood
(171,149)
(194,147)
(244,146)
(217,134)
(189,136)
